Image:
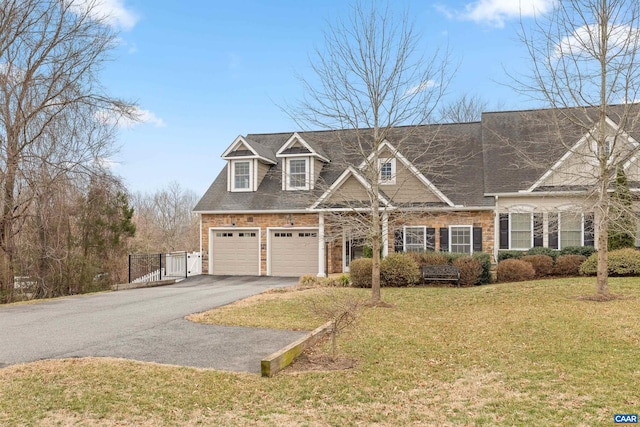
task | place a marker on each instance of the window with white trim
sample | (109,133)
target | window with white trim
(387,168)
(241,175)
(521,231)
(297,174)
(570,229)
(460,239)
(415,239)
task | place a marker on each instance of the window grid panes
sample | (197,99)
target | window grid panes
(460,240)
(570,230)
(297,173)
(414,239)
(386,172)
(520,231)
(241,175)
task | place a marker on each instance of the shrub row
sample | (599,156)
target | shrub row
(535,266)
(585,251)
(403,269)
(621,262)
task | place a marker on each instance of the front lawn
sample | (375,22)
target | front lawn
(525,354)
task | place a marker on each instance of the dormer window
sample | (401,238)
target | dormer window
(387,169)
(297,173)
(241,175)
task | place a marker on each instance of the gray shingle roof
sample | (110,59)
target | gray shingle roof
(505,152)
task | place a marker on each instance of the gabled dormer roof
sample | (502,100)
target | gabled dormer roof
(246,148)
(296,146)
(350,172)
(387,146)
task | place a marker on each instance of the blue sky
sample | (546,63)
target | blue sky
(205,71)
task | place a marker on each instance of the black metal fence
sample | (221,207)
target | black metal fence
(156,267)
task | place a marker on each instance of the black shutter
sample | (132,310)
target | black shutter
(477,239)
(504,231)
(537,230)
(431,239)
(588,229)
(444,239)
(398,240)
(553,230)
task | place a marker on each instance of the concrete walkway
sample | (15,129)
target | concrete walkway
(144,324)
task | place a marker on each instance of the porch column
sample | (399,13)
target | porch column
(321,254)
(385,234)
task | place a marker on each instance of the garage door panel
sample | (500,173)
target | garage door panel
(235,252)
(294,252)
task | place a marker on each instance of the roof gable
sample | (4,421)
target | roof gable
(351,194)
(296,146)
(243,147)
(387,147)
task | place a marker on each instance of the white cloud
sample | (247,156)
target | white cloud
(420,88)
(584,39)
(140,116)
(113,12)
(496,12)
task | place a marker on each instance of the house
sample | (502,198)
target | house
(288,204)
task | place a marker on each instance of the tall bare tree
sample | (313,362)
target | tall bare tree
(51,52)
(370,77)
(585,59)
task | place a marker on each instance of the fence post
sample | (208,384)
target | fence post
(129,268)
(186,264)
(160,257)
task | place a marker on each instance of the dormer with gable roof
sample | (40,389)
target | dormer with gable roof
(302,163)
(247,164)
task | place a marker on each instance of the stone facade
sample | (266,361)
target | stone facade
(334,248)
(261,221)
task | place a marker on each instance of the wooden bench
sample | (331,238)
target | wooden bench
(441,273)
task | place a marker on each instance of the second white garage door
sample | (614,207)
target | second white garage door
(235,252)
(293,252)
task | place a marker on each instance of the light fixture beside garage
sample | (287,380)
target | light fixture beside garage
(291,220)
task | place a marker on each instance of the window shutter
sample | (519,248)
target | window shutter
(431,239)
(444,239)
(537,230)
(477,239)
(398,240)
(553,230)
(588,229)
(504,230)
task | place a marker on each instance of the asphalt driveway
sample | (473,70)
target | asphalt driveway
(144,324)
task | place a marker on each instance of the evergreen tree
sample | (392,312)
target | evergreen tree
(622,223)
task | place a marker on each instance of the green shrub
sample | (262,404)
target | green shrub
(360,272)
(485,261)
(568,265)
(470,270)
(544,251)
(542,264)
(400,270)
(585,251)
(622,262)
(515,270)
(503,255)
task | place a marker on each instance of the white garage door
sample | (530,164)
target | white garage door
(293,252)
(235,252)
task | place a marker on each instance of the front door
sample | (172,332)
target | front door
(353,249)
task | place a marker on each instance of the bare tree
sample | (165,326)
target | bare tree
(585,59)
(50,54)
(371,78)
(467,108)
(166,221)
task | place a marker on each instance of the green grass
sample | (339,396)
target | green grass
(508,354)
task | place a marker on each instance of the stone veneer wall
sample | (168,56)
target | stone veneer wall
(261,221)
(484,219)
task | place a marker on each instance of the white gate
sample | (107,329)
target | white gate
(194,264)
